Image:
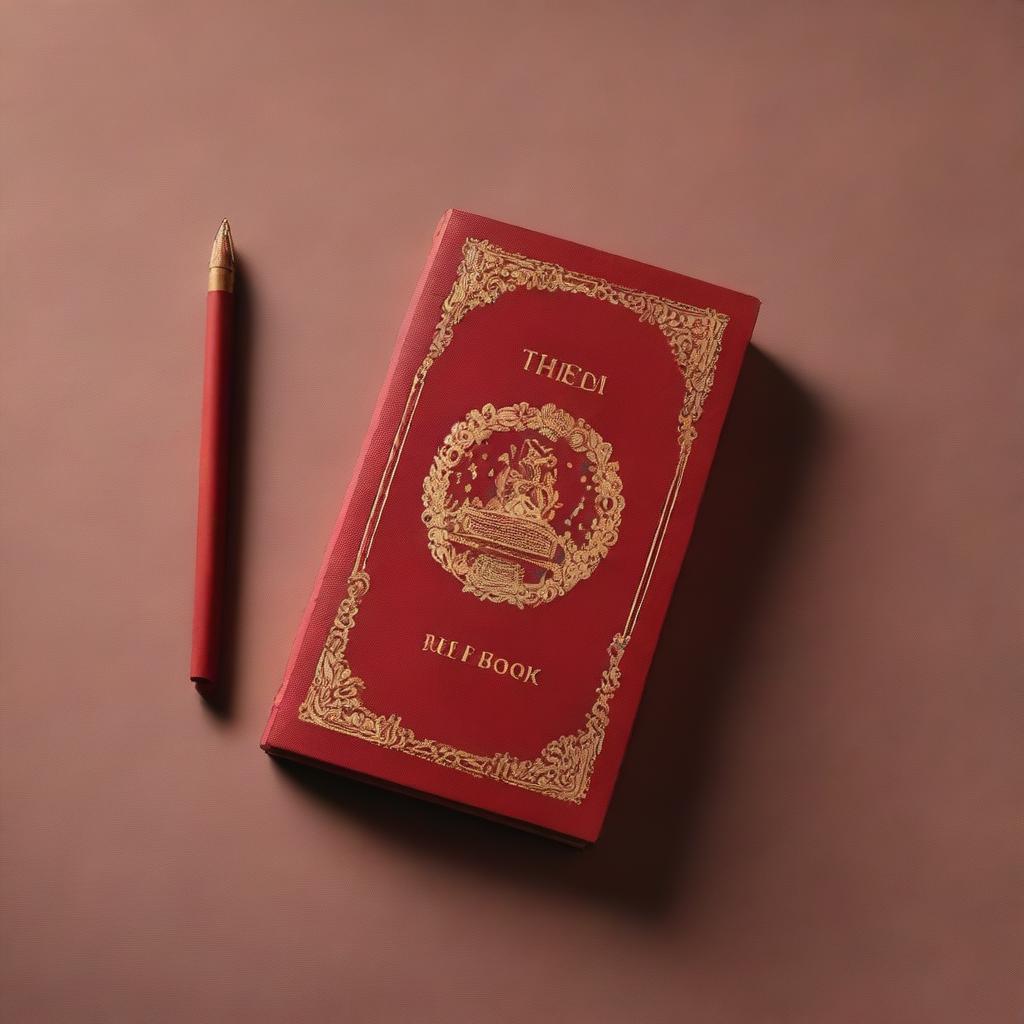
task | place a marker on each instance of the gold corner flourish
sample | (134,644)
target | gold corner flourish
(563,769)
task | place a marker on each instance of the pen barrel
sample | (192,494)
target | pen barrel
(213,471)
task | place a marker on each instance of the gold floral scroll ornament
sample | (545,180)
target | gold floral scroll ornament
(490,548)
(563,769)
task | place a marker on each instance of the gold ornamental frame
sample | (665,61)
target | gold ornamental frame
(563,769)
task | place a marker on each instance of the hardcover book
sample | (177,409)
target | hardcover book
(492,594)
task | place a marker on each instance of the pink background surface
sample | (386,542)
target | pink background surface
(817,818)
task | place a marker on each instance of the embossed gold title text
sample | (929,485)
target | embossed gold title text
(456,650)
(564,372)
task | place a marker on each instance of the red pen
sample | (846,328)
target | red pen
(213,459)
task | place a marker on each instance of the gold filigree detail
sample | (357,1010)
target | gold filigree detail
(490,547)
(563,769)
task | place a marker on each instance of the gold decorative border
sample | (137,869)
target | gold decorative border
(563,768)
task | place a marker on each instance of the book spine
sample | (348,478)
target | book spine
(439,232)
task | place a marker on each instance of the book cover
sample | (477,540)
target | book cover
(492,595)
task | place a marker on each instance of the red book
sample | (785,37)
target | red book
(491,598)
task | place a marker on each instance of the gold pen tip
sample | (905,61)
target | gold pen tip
(223,254)
(222,260)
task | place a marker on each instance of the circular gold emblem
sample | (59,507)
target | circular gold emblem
(521,503)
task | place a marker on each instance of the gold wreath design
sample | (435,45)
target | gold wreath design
(551,422)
